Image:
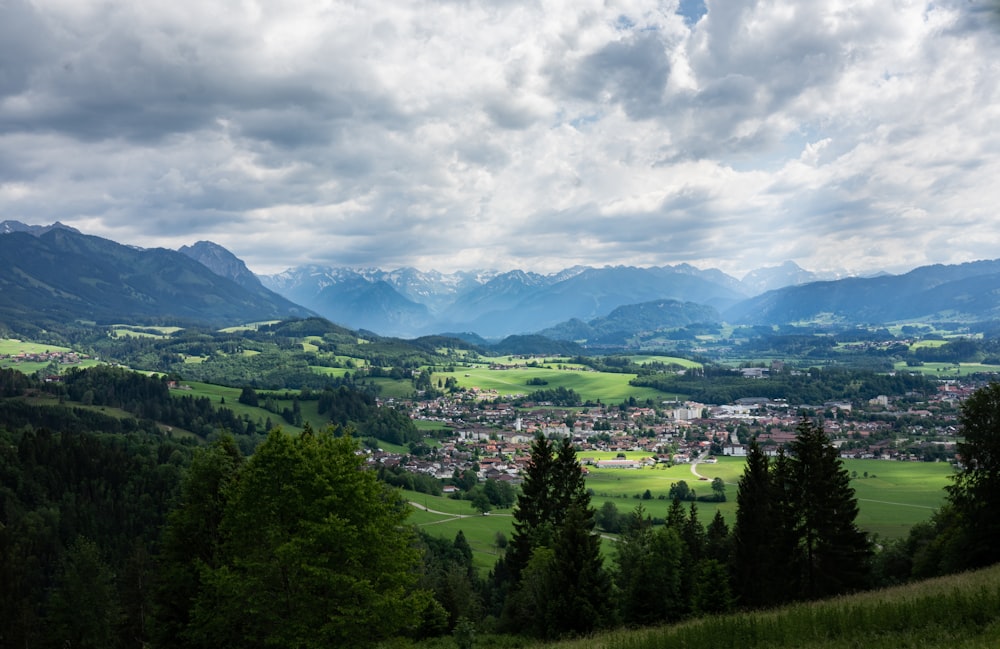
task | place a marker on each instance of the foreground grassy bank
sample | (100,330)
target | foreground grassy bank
(956,612)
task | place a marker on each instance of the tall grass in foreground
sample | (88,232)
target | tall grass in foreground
(955,612)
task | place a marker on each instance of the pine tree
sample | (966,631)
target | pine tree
(974,497)
(532,512)
(835,555)
(753,530)
(554,564)
(649,572)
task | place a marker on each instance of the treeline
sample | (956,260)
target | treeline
(715,384)
(81,514)
(342,406)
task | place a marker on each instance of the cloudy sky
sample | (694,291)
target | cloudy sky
(841,134)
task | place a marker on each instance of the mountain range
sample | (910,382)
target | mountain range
(57,274)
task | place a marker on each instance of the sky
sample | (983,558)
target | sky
(846,136)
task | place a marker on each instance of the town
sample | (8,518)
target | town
(483,431)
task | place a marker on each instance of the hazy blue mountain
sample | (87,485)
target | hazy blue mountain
(493,304)
(355,299)
(63,276)
(7,227)
(501,293)
(626,321)
(771,278)
(962,291)
(375,306)
(596,292)
(433,289)
(222,262)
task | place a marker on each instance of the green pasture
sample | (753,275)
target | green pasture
(392,388)
(947,370)
(137,331)
(12,346)
(336,372)
(626,488)
(894,497)
(666,360)
(310,409)
(927,343)
(607,387)
(480,531)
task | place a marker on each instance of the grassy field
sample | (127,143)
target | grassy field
(446,517)
(12,346)
(604,386)
(666,360)
(956,612)
(894,497)
(948,370)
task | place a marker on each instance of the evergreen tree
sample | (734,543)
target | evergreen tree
(974,497)
(718,545)
(834,554)
(753,530)
(580,596)
(648,572)
(532,514)
(191,539)
(554,535)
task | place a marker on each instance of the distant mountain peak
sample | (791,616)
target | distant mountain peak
(769,278)
(221,262)
(7,227)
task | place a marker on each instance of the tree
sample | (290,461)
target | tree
(753,530)
(533,512)
(480,501)
(975,493)
(557,581)
(84,610)
(795,533)
(835,555)
(191,539)
(648,572)
(719,490)
(313,553)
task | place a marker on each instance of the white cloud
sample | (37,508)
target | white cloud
(536,135)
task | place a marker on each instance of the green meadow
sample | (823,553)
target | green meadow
(12,346)
(946,370)
(607,387)
(892,498)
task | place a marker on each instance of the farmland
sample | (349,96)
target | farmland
(606,387)
(892,498)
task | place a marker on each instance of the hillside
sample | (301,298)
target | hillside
(959,292)
(61,276)
(945,613)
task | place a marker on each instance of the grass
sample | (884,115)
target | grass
(606,387)
(13,346)
(894,497)
(480,531)
(666,360)
(949,612)
(948,370)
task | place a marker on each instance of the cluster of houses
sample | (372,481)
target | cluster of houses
(64,358)
(490,434)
